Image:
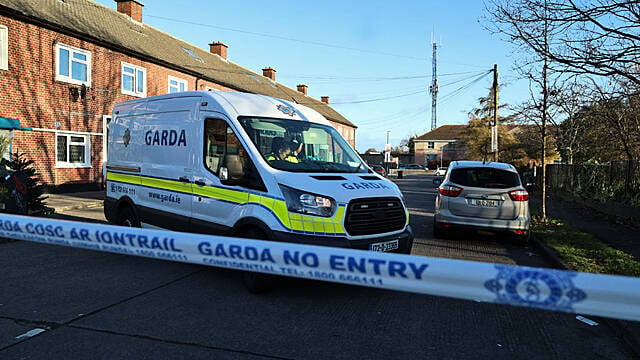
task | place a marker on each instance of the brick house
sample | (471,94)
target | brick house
(65,63)
(439,146)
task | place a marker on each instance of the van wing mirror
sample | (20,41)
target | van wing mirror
(224,174)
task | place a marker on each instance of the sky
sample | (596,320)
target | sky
(372,58)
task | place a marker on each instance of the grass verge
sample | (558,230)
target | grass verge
(583,252)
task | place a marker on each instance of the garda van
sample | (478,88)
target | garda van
(212,162)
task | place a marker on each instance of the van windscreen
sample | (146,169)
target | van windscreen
(302,146)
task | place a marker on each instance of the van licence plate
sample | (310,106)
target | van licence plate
(484,203)
(384,246)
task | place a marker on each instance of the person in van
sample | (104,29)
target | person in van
(285,151)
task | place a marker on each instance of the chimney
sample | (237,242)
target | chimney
(269,72)
(324,99)
(303,88)
(131,8)
(219,49)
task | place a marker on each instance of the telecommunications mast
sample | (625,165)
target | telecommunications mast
(433,88)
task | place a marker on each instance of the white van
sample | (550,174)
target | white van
(250,166)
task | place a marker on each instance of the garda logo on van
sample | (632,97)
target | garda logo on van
(287,110)
(166,137)
(363,185)
(126,138)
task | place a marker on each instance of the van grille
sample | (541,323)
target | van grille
(374,216)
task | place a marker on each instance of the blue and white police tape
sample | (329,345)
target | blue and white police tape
(592,294)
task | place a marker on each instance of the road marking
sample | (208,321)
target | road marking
(30,333)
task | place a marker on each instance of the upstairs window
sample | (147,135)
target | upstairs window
(177,84)
(134,80)
(4,48)
(73,65)
(431,145)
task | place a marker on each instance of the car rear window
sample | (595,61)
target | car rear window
(485,178)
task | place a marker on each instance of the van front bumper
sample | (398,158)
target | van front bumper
(405,240)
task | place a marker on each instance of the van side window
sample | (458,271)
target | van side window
(223,149)
(214,142)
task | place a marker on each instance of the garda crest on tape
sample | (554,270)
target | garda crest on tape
(540,288)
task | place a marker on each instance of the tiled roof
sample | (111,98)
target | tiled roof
(444,132)
(110,28)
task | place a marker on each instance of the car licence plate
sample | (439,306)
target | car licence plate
(484,203)
(384,246)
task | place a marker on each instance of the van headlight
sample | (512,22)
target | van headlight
(307,203)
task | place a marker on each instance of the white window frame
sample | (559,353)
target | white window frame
(431,144)
(73,50)
(136,73)
(87,150)
(4,48)
(178,81)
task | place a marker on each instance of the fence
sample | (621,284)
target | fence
(617,181)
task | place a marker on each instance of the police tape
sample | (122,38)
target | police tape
(549,289)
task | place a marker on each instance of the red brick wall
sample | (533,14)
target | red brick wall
(347,132)
(30,93)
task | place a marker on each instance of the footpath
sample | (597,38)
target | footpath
(612,231)
(71,201)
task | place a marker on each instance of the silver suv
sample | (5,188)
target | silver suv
(482,196)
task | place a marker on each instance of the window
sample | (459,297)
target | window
(73,65)
(431,145)
(485,178)
(224,154)
(134,80)
(4,48)
(316,148)
(177,84)
(72,150)
(192,54)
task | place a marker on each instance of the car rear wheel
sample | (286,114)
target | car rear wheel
(438,233)
(524,239)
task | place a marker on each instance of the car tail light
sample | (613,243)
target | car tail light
(520,232)
(450,190)
(519,195)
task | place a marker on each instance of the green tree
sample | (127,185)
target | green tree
(36,203)
(477,135)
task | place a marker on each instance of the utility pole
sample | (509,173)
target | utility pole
(387,152)
(494,128)
(433,88)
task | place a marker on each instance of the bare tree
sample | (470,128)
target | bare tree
(617,112)
(596,37)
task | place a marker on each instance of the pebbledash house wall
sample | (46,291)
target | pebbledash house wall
(30,92)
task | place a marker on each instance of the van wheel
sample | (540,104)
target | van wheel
(127,217)
(255,282)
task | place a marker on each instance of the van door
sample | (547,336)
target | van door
(219,188)
(167,163)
